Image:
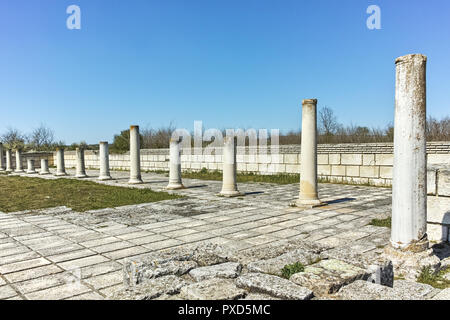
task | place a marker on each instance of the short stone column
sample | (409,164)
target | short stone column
(104,161)
(2,160)
(81,170)
(175,165)
(44,167)
(8,160)
(19,168)
(308,163)
(135,156)
(60,166)
(229,181)
(409,178)
(30,166)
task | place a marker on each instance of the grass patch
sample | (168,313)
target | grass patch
(22,193)
(381,222)
(205,174)
(289,269)
(434,279)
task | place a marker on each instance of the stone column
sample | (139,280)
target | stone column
(409,178)
(135,156)
(8,161)
(44,167)
(229,184)
(19,168)
(2,160)
(60,166)
(30,166)
(308,162)
(104,161)
(81,170)
(175,165)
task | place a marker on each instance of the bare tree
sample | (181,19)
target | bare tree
(328,124)
(13,138)
(41,138)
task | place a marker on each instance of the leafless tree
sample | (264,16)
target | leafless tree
(13,138)
(41,138)
(328,124)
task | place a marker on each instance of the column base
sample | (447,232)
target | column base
(1,169)
(31,172)
(230,194)
(312,203)
(415,246)
(103,178)
(175,186)
(44,173)
(61,174)
(19,171)
(81,176)
(135,181)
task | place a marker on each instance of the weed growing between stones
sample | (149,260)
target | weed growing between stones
(289,269)
(381,222)
(434,279)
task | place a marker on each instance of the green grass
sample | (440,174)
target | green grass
(381,222)
(22,193)
(434,279)
(289,269)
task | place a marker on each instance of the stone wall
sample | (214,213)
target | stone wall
(36,156)
(356,163)
(438,203)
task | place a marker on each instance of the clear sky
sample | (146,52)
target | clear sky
(231,64)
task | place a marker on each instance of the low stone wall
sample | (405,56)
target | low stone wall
(354,163)
(438,203)
(36,156)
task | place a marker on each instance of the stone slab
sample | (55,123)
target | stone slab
(226,270)
(212,289)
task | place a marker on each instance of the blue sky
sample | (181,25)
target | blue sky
(231,64)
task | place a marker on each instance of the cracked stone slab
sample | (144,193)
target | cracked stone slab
(328,276)
(402,290)
(380,268)
(443,295)
(275,265)
(212,289)
(226,270)
(150,289)
(273,250)
(274,286)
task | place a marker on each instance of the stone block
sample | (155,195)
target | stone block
(324,170)
(443,295)
(291,158)
(369,171)
(212,289)
(352,171)
(437,232)
(322,159)
(227,270)
(443,184)
(334,158)
(338,170)
(328,276)
(351,159)
(438,210)
(368,159)
(274,286)
(438,159)
(431,181)
(384,159)
(292,168)
(386,172)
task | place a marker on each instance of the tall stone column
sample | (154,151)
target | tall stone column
(175,165)
(81,170)
(308,164)
(409,179)
(229,183)
(44,167)
(60,166)
(8,161)
(135,156)
(19,168)
(30,166)
(104,161)
(2,160)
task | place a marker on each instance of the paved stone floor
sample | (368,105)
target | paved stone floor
(44,252)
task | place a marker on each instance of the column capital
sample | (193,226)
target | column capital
(309,101)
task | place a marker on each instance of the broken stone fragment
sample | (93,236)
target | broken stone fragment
(206,254)
(150,289)
(274,286)
(275,265)
(328,276)
(402,290)
(224,270)
(379,268)
(212,289)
